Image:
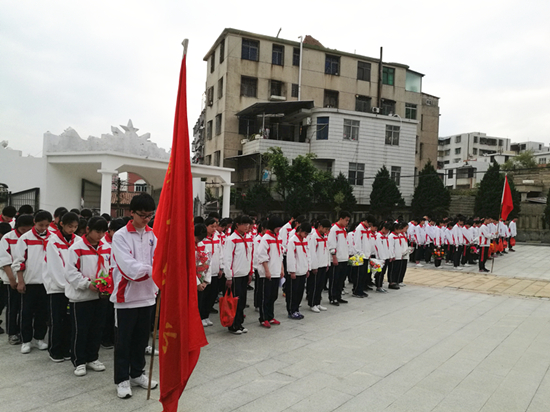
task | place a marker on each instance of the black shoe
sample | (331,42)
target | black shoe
(394,286)
(342,301)
(370,284)
(368,288)
(213,310)
(357,296)
(334,302)
(365,295)
(249,287)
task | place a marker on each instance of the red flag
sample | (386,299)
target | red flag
(181,334)
(507,202)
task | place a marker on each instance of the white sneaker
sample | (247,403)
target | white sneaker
(204,323)
(402,284)
(123,390)
(80,370)
(26,347)
(419,265)
(208,322)
(96,366)
(244,330)
(321,308)
(149,350)
(40,344)
(457,268)
(467,265)
(143,381)
(315,309)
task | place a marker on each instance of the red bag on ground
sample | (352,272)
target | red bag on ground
(491,248)
(512,241)
(505,244)
(228,308)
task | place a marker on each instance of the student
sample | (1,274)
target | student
(397,248)
(57,257)
(485,236)
(134,295)
(382,248)
(8,215)
(202,266)
(363,246)
(513,232)
(88,260)
(25,210)
(411,232)
(298,267)
(319,256)
(213,249)
(262,229)
(270,271)
(420,240)
(238,268)
(57,215)
(29,262)
(86,214)
(338,248)
(404,246)
(82,224)
(23,224)
(458,242)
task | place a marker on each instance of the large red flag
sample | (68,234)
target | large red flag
(507,202)
(181,334)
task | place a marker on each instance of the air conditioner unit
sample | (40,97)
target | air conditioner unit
(376,110)
(307,121)
(428,102)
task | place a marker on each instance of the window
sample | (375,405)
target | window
(446,162)
(222,51)
(388,107)
(392,135)
(250,50)
(362,103)
(208,160)
(410,111)
(501,142)
(213,61)
(209,130)
(458,139)
(388,74)
(448,152)
(210,96)
(218,124)
(396,174)
(458,150)
(475,139)
(220,88)
(356,174)
(363,71)
(331,98)
(474,150)
(456,160)
(246,126)
(217,158)
(322,128)
(140,187)
(450,173)
(351,129)
(294,90)
(276,88)
(332,65)
(249,86)
(278,55)
(296,56)
(542,160)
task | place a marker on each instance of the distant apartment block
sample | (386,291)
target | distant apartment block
(469,146)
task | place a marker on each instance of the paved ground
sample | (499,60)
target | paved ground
(417,349)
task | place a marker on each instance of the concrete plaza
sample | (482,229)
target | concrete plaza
(441,348)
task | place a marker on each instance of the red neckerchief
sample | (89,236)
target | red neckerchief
(398,237)
(59,234)
(301,243)
(278,242)
(243,237)
(108,238)
(342,230)
(211,239)
(322,238)
(385,237)
(100,258)
(43,239)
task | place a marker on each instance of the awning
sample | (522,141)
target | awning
(284,108)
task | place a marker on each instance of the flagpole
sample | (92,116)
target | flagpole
(155,329)
(500,214)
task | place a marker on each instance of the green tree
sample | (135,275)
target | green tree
(385,195)
(524,160)
(430,197)
(257,198)
(489,196)
(546,218)
(342,197)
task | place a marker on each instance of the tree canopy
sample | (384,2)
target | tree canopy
(489,196)
(524,160)
(385,195)
(430,197)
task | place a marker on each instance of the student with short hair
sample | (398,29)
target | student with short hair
(57,215)
(88,260)
(25,210)
(320,262)
(382,248)
(298,267)
(29,262)
(213,248)
(55,281)
(8,215)
(338,247)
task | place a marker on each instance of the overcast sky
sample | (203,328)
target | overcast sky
(91,65)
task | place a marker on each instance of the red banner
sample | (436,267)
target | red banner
(507,202)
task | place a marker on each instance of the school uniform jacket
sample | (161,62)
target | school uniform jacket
(513,229)
(338,243)
(85,264)
(270,251)
(420,235)
(132,259)
(29,256)
(485,236)
(237,256)
(213,247)
(382,246)
(297,256)
(398,246)
(319,254)
(7,243)
(57,258)
(411,231)
(284,233)
(362,242)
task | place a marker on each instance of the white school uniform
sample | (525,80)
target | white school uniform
(213,248)
(513,229)
(319,254)
(338,243)
(297,257)
(57,257)
(7,243)
(382,246)
(29,256)
(270,251)
(237,256)
(362,242)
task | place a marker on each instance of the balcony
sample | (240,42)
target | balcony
(290,149)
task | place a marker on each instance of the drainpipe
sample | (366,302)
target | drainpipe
(380,80)
(300,68)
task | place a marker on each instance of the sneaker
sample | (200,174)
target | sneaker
(123,390)
(40,344)
(334,302)
(368,288)
(381,290)
(295,316)
(265,324)
(315,309)
(244,330)
(419,265)
(457,268)
(365,295)
(402,284)
(394,286)
(57,360)
(204,324)
(342,301)
(80,370)
(143,381)
(274,322)
(209,322)
(26,347)
(357,296)
(322,308)
(96,366)
(344,292)
(236,332)
(300,314)
(149,350)
(467,265)
(14,339)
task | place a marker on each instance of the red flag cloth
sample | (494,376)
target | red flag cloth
(181,334)
(507,202)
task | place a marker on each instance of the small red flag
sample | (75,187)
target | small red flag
(181,334)
(507,202)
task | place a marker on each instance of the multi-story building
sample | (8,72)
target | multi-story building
(356,113)
(469,146)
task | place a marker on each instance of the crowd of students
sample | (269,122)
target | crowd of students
(50,266)
(312,257)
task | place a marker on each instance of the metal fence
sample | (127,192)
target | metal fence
(25,197)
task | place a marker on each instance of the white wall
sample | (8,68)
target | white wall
(21,173)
